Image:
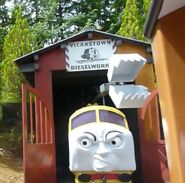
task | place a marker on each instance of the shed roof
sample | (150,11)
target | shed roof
(30,57)
(159,9)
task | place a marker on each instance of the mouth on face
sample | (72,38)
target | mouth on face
(100,164)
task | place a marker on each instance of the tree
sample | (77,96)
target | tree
(144,7)
(54,20)
(131,25)
(101,15)
(43,21)
(17,43)
(133,18)
(4,26)
(60,19)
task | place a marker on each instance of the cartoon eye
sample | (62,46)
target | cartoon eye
(86,142)
(114,138)
(115,142)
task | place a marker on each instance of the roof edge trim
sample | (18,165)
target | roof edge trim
(152,17)
(30,56)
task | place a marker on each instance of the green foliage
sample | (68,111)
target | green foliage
(88,14)
(4,22)
(16,44)
(53,20)
(45,28)
(133,19)
(131,26)
(144,14)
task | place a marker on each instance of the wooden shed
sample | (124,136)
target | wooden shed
(165,27)
(62,78)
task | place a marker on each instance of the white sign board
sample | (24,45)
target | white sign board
(89,55)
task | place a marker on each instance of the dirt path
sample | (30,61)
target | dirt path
(10,168)
(10,160)
(9,175)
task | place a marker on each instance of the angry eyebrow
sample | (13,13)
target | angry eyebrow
(91,135)
(112,132)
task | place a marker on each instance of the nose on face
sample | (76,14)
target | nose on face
(103,148)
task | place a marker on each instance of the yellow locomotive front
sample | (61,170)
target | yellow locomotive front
(101,147)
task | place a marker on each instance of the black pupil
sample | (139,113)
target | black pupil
(113,142)
(84,143)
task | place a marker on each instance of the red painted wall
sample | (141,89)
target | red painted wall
(50,61)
